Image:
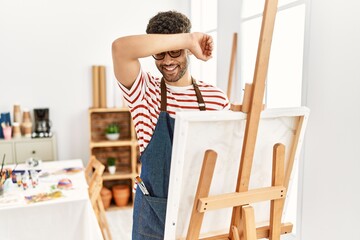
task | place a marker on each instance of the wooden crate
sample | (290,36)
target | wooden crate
(121,154)
(100,121)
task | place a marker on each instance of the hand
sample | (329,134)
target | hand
(202,46)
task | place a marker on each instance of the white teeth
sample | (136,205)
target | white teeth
(169,68)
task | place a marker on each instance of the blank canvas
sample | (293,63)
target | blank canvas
(223,132)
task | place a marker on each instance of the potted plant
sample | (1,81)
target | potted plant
(111,165)
(112,131)
(121,194)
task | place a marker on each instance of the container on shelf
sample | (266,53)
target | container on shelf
(112,169)
(16,130)
(26,125)
(106,196)
(17,113)
(112,136)
(121,194)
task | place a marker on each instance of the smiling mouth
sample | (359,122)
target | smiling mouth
(170,68)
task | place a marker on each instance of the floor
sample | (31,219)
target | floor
(120,222)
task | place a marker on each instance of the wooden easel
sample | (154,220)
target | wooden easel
(243,220)
(232,65)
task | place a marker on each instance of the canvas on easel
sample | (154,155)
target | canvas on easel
(225,178)
(196,132)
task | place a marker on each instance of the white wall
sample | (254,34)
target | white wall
(331,192)
(47,49)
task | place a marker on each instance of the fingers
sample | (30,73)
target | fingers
(203,46)
(208,45)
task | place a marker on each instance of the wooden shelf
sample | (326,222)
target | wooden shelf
(119,143)
(125,150)
(107,110)
(118,176)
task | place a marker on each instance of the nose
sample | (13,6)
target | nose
(167,58)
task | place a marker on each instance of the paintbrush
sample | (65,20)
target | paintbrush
(1,171)
(2,165)
(16,163)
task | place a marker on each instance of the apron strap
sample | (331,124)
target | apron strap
(163,96)
(199,97)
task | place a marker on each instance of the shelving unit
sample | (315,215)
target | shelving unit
(125,150)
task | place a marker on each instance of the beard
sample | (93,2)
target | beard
(173,72)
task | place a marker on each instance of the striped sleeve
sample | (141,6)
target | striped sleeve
(143,100)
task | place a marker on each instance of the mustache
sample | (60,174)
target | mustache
(168,65)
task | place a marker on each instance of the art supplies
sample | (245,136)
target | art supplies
(142,186)
(7,130)
(2,174)
(43,197)
(65,183)
(6,119)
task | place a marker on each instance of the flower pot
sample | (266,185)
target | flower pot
(112,136)
(112,169)
(106,196)
(121,195)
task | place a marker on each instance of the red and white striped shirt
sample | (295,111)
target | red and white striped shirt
(144,100)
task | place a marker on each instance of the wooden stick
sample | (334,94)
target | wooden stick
(95,87)
(294,146)
(245,106)
(235,233)
(249,223)
(279,204)
(232,64)
(252,123)
(102,87)
(203,189)
(276,205)
(264,232)
(237,199)
(261,232)
(105,229)
(247,98)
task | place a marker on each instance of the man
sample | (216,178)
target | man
(153,103)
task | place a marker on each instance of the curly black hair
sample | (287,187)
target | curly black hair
(169,22)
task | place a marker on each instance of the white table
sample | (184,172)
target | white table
(69,217)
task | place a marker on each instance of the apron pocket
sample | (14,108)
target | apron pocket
(152,217)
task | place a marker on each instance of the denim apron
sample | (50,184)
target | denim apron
(150,210)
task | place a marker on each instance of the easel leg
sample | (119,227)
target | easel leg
(276,207)
(249,227)
(257,96)
(237,222)
(235,233)
(203,189)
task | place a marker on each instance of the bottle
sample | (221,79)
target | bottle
(17,113)
(16,130)
(26,125)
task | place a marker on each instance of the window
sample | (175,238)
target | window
(204,19)
(285,65)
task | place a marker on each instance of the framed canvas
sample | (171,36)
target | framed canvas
(223,132)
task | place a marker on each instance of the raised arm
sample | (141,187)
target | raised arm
(126,51)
